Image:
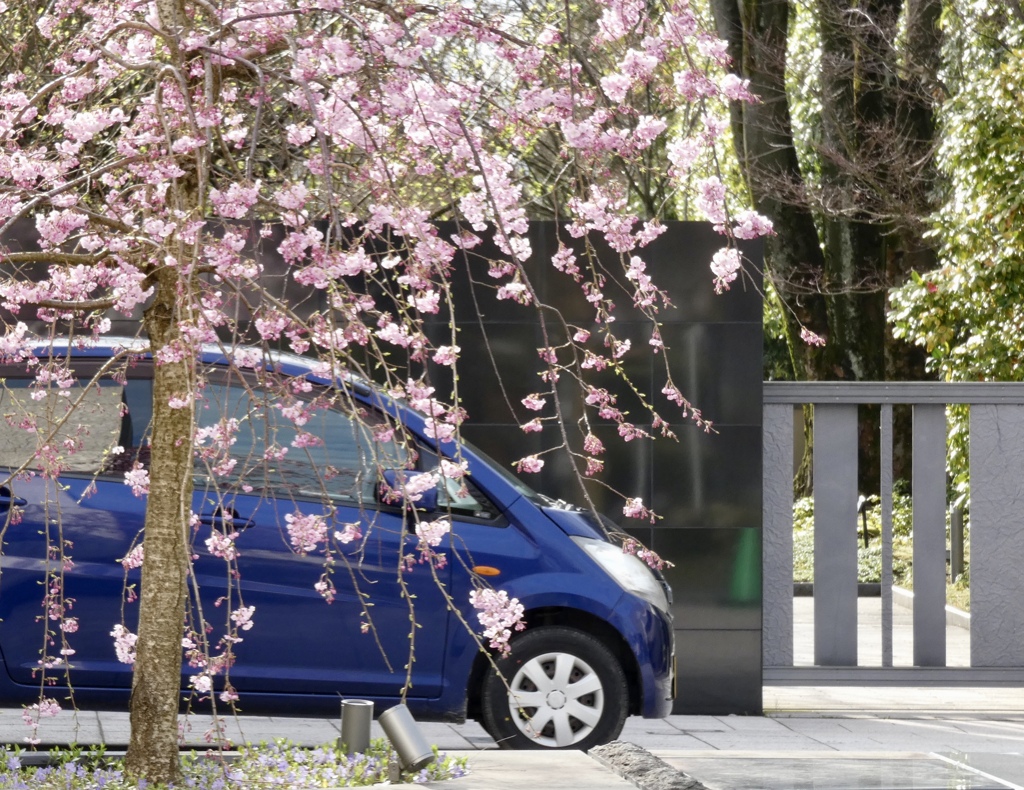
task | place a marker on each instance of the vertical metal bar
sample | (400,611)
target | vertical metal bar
(956,543)
(777,474)
(929,484)
(885,486)
(835,535)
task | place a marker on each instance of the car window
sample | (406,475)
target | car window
(460,496)
(324,453)
(79,429)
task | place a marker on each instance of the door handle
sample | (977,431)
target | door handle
(225,520)
(7,499)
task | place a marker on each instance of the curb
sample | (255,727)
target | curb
(954,616)
(637,765)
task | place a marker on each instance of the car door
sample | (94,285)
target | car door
(342,603)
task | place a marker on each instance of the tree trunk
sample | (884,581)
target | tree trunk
(156,684)
(763,134)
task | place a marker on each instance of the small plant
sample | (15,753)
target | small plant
(869,558)
(279,764)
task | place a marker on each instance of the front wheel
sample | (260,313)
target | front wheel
(565,690)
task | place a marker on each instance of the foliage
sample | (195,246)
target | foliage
(777,362)
(277,764)
(869,558)
(966,313)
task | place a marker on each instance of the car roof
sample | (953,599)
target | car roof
(288,362)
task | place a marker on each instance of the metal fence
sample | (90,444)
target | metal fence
(996,531)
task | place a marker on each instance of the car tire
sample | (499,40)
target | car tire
(565,690)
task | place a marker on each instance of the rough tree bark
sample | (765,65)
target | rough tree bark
(763,133)
(156,683)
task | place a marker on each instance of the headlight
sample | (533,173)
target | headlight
(629,571)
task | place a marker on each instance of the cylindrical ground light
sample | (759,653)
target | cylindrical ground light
(356,715)
(413,750)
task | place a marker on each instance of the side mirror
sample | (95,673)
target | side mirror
(398,487)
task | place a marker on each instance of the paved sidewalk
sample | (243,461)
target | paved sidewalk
(914,738)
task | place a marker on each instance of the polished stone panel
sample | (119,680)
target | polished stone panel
(705,487)
(719,672)
(716,579)
(708,480)
(717,366)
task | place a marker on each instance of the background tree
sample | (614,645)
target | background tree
(838,153)
(965,312)
(138,148)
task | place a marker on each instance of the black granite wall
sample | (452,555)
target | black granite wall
(707,486)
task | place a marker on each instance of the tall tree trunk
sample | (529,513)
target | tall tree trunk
(756,33)
(156,683)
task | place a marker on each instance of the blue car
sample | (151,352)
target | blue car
(598,642)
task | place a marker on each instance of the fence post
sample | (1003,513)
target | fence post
(956,544)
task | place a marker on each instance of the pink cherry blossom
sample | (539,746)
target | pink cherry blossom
(751,225)
(534,402)
(242,617)
(736,89)
(725,266)
(811,338)
(634,508)
(432,533)
(124,644)
(222,545)
(530,463)
(138,480)
(352,532)
(616,86)
(305,531)
(446,355)
(499,615)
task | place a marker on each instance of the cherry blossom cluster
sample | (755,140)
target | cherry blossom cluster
(134,558)
(431,534)
(650,557)
(124,644)
(306,531)
(32,715)
(499,615)
(221,544)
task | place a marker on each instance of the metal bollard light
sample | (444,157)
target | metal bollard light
(413,750)
(356,715)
